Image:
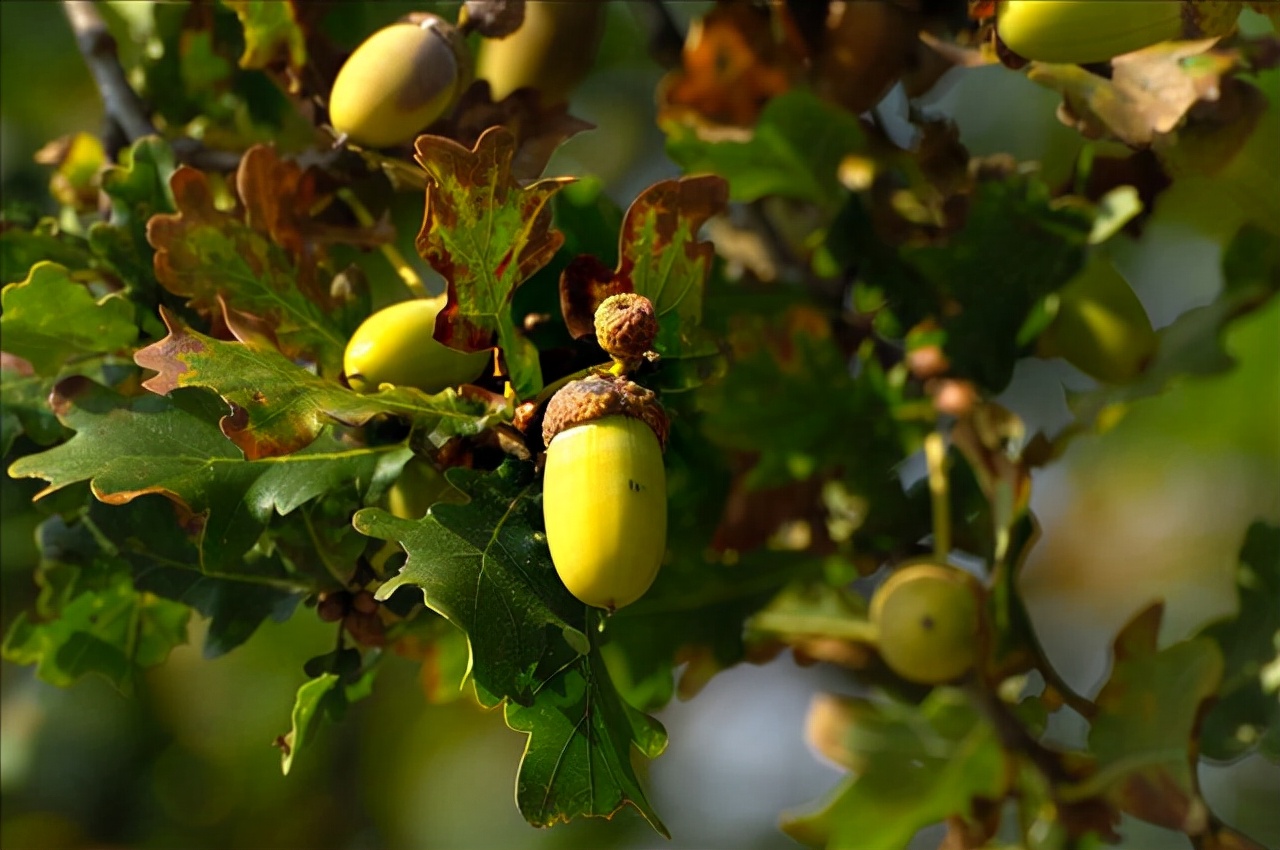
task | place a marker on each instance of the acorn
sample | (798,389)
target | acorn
(928,620)
(396,345)
(399,81)
(553,50)
(1076,32)
(626,326)
(604,491)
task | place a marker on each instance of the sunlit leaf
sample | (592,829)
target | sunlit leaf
(278,407)
(1148,715)
(485,234)
(914,766)
(793,152)
(271,33)
(50,318)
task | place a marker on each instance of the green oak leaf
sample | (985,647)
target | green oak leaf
(51,318)
(138,188)
(1148,716)
(24,407)
(307,711)
(163,560)
(1247,713)
(659,257)
(270,31)
(485,566)
(279,407)
(578,759)
(221,263)
(128,447)
(21,248)
(794,151)
(485,234)
(113,630)
(913,766)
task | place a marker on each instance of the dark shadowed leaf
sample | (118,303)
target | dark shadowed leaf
(1247,713)
(128,447)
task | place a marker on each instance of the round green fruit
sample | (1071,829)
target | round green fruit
(398,81)
(552,51)
(395,346)
(1100,327)
(927,618)
(604,500)
(1083,31)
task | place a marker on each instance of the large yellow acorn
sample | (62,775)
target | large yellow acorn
(928,622)
(396,346)
(1083,31)
(552,51)
(398,81)
(604,492)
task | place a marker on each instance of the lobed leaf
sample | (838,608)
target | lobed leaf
(485,566)
(271,34)
(129,447)
(485,234)
(659,257)
(51,318)
(1148,718)
(578,758)
(912,767)
(794,151)
(278,407)
(264,265)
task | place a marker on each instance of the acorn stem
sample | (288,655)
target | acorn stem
(389,251)
(935,453)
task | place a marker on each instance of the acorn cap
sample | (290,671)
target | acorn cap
(598,396)
(626,325)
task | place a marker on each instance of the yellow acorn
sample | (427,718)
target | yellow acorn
(604,492)
(553,50)
(396,346)
(928,622)
(398,81)
(1083,31)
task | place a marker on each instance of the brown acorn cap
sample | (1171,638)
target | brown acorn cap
(626,325)
(598,396)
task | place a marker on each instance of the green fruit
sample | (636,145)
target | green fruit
(1083,31)
(398,81)
(395,346)
(604,499)
(928,618)
(553,50)
(419,486)
(1100,327)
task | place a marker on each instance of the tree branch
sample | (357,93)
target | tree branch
(99,50)
(123,106)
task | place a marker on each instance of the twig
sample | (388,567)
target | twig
(125,110)
(99,50)
(389,251)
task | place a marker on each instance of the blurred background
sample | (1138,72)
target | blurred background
(1156,507)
